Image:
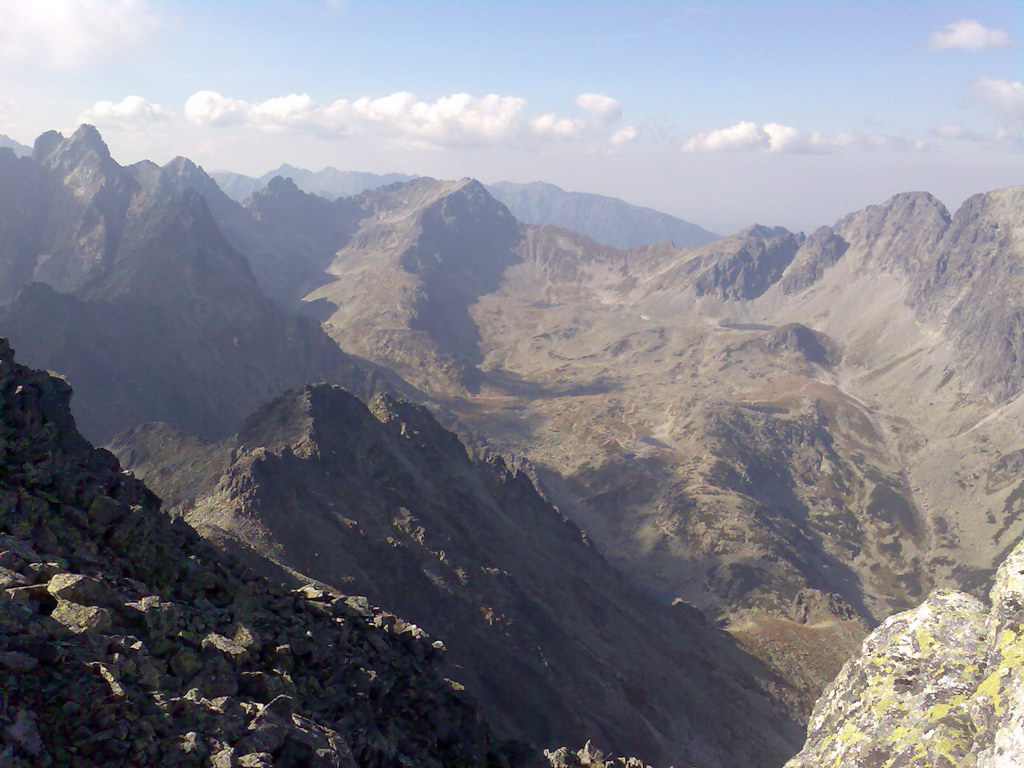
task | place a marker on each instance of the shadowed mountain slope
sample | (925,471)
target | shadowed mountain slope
(556,645)
(126,285)
(126,639)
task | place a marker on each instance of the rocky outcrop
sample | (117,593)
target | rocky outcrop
(812,346)
(126,639)
(940,686)
(555,645)
(817,253)
(589,757)
(744,266)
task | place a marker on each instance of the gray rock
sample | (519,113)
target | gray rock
(84,590)
(939,686)
(83,618)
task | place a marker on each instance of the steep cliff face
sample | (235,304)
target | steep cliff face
(974,287)
(125,639)
(940,686)
(556,646)
(746,269)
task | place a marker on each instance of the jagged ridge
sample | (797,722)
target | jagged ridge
(125,639)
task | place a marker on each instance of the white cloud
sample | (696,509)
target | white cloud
(625,135)
(602,108)
(211,108)
(742,136)
(1005,97)
(456,120)
(552,125)
(64,34)
(132,113)
(968,35)
(748,136)
(956,132)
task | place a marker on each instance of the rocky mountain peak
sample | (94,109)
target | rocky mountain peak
(282,200)
(84,146)
(821,250)
(290,172)
(281,185)
(424,252)
(327,420)
(304,420)
(745,265)
(45,144)
(149,175)
(760,232)
(899,233)
(84,207)
(183,168)
(181,175)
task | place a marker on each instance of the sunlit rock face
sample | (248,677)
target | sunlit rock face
(941,686)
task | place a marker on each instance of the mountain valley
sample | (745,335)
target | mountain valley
(654,496)
(762,427)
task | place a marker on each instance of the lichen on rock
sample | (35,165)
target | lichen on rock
(940,686)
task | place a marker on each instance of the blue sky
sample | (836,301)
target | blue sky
(724,113)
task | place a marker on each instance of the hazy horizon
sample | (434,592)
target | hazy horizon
(725,114)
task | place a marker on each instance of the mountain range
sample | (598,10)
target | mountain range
(19,149)
(329,182)
(656,497)
(120,279)
(742,425)
(607,220)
